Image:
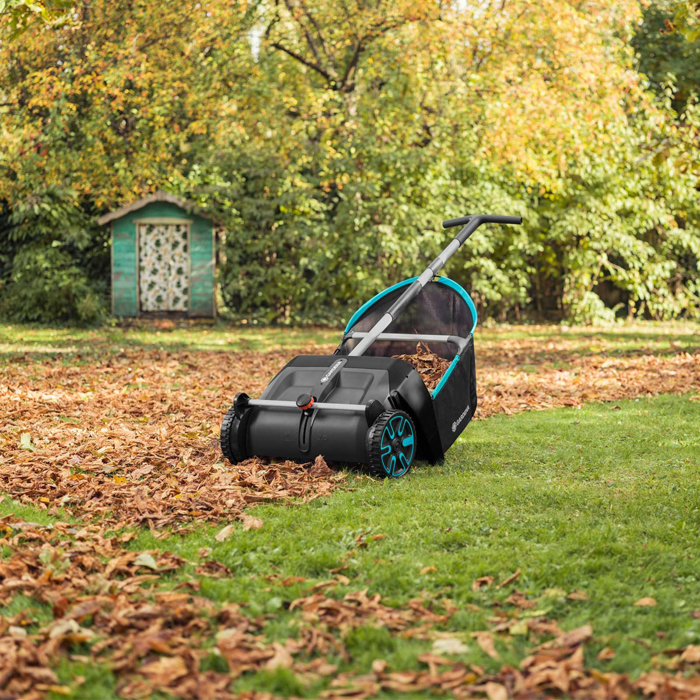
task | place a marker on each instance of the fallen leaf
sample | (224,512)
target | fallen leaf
(250,523)
(428,570)
(482,582)
(509,580)
(165,670)
(573,638)
(691,654)
(282,658)
(495,691)
(449,645)
(645,603)
(379,666)
(606,654)
(578,595)
(25,442)
(519,628)
(147,560)
(224,533)
(485,642)
(554,593)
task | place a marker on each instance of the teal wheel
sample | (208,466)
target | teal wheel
(391,445)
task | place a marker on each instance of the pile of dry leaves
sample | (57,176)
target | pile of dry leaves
(554,669)
(107,608)
(555,382)
(133,439)
(430,366)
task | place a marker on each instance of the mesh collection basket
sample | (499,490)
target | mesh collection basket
(442,308)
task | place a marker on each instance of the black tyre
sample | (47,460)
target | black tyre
(226,428)
(391,445)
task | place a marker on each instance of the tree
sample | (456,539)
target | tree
(333,136)
(20,14)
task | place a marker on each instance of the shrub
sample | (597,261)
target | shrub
(55,262)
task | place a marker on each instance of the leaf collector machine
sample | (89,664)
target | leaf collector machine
(362,405)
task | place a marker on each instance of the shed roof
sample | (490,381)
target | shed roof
(159,196)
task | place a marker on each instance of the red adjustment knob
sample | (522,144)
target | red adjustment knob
(305,401)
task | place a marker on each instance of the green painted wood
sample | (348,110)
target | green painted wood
(201,267)
(124,269)
(125,260)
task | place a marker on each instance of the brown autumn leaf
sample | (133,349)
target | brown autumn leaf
(281,658)
(509,580)
(691,654)
(428,570)
(495,691)
(577,595)
(165,670)
(573,638)
(606,654)
(379,666)
(481,582)
(645,603)
(485,642)
(224,533)
(519,600)
(250,523)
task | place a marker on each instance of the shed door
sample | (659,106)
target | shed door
(163,267)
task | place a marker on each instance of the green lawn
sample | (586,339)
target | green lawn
(605,499)
(647,337)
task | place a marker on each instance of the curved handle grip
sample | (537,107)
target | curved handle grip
(484,219)
(473,222)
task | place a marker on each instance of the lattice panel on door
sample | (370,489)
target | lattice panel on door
(163,273)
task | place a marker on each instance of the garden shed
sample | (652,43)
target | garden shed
(163,258)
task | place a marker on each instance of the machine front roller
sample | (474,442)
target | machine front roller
(391,442)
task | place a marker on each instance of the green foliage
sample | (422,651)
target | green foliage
(667,55)
(55,255)
(331,138)
(20,14)
(686,20)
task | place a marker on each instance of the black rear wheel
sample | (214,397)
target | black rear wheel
(391,445)
(226,427)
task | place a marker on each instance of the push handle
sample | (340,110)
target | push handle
(485,219)
(473,223)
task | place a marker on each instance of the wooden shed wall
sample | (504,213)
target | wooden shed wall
(125,260)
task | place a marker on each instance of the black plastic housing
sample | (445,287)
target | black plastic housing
(340,436)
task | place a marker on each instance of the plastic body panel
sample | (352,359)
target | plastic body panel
(337,435)
(456,402)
